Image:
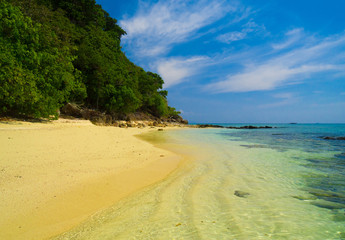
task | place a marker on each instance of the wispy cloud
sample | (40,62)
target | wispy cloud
(281,99)
(154,29)
(246,29)
(286,68)
(291,37)
(175,70)
(231,37)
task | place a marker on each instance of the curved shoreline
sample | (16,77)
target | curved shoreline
(55,175)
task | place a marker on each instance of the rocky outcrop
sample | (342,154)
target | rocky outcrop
(209,126)
(71,109)
(333,138)
(138,119)
(231,127)
(250,127)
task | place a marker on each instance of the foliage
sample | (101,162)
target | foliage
(56,51)
(35,76)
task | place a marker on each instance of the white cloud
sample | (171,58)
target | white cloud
(176,70)
(292,37)
(282,69)
(154,29)
(266,77)
(283,99)
(231,37)
(247,28)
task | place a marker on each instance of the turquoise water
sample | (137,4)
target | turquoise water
(281,183)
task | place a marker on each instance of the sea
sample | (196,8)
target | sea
(286,182)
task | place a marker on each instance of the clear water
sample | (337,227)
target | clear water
(281,183)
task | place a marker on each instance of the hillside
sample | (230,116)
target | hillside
(54,52)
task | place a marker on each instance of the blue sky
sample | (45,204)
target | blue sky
(245,61)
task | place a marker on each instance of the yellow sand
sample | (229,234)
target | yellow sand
(55,175)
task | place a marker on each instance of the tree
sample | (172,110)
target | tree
(35,78)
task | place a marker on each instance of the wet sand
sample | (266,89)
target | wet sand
(55,175)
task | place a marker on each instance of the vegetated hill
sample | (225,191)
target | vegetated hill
(57,51)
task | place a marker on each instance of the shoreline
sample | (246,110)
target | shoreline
(55,175)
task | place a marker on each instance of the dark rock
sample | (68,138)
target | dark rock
(231,127)
(72,109)
(160,129)
(250,127)
(333,138)
(98,120)
(305,198)
(209,126)
(255,146)
(90,113)
(183,121)
(340,155)
(108,119)
(328,205)
(241,194)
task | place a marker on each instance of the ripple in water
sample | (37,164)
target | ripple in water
(242,184)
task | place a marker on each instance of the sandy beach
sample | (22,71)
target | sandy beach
(55,175)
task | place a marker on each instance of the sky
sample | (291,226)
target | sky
(241,61)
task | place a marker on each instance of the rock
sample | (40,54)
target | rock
(250,127)
(328,204)
(255,146)
(123,124)
(231,127)
(90,113)
(305,198)
(333,138)
(160,129)
(98,120)
(72,109)
(184,121)
(241,194)
(209,126)
(131,124)
(108,119)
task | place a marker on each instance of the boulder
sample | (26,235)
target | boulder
(241,194)
(123,124)
(108,119)
(72,109)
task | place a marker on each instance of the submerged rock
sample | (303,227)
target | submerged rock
(241,194)
(250,127)
(305,198)
(333,138)
(255,146)
(231,127)
(328,205)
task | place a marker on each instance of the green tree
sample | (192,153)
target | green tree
(35,78)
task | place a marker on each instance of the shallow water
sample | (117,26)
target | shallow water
(283,183)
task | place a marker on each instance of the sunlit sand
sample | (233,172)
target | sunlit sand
(55,175)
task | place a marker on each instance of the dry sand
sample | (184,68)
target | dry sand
(55,175)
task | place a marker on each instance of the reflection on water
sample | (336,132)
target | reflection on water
(239,186)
